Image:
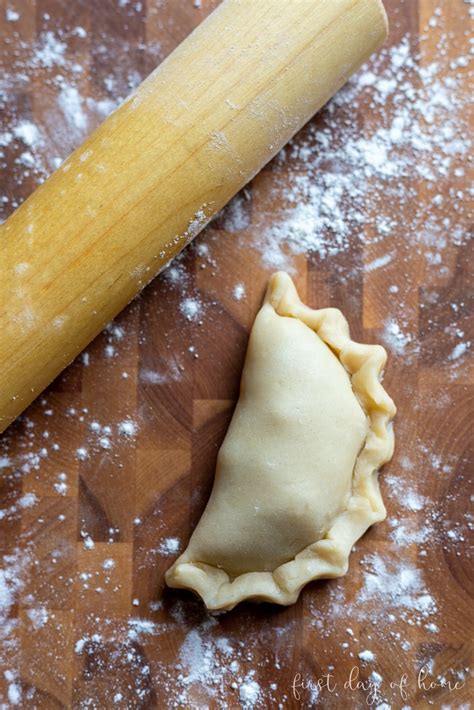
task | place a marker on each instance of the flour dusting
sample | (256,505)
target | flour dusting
(394,141)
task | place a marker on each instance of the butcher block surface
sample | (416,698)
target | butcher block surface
(105,476)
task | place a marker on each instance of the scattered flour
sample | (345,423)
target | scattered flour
(409,532)
(249,692)
(50,52)
(170,546)
(38,617)
(14,694)
(71,104)
(13,574)
(340,176)
(459,350)
(89,543)
(396,586)
(172,373)
(128,428)
(395,338)
(197,658)
(28,133)
(406,496)
(27,500)
(339,179)
(366,656)
(191,308)
(11,15)
(239,292)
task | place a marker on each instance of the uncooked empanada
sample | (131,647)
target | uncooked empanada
(296,480)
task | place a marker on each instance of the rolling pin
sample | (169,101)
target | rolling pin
(155,172)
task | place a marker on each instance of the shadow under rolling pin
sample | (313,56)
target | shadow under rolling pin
(156,171)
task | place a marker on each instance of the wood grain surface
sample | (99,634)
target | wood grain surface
(106,474)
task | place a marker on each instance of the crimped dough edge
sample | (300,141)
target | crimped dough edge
(328,557)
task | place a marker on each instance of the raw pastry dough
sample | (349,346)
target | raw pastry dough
(296,480)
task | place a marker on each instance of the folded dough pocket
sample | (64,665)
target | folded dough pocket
(296,477)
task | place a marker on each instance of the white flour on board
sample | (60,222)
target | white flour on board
(334,192)
(345,187)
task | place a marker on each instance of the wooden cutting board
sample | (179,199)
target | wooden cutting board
(106,474)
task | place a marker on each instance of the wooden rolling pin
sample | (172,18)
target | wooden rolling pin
(154,173)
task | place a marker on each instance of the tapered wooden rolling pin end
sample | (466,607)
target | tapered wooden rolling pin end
(154,173)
